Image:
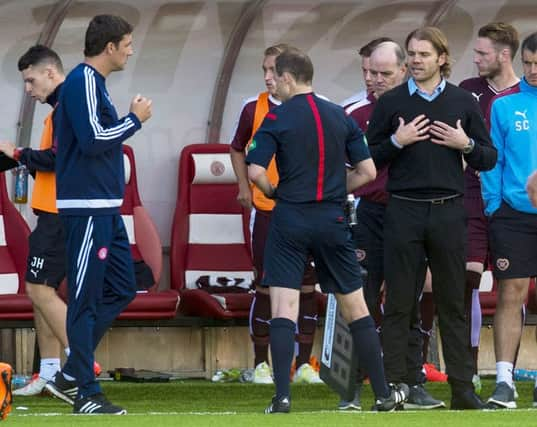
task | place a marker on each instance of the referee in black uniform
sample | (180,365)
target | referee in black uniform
(425,128)
(312,138)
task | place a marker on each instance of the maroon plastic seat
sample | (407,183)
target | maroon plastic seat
(14,232)
(146,246)
(210,241)
(531,302)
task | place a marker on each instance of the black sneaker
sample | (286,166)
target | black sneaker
(61,388)
(352,405)
(503,397)
(281,405)
(467,400)
(398,396)
(97,404)
(419,398)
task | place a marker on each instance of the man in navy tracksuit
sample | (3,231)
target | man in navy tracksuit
(90,176)
(312,138)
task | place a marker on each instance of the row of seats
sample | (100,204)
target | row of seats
(211,267)
(143,237)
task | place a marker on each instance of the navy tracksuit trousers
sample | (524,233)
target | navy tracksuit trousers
(101,284)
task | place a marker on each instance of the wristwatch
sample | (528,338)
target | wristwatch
(468,148)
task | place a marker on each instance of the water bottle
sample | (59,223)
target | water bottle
(19,381)
(350,210)
(21,185)
(247,376)
(524,375)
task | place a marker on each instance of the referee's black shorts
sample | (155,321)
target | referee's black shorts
(319,229)
(46,257)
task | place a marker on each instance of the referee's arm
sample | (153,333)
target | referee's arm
(261,151)
(258,175)
(362,173)
(363,170)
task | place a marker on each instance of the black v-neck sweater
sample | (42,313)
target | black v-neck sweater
(425,169)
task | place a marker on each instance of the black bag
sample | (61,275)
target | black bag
(143,274)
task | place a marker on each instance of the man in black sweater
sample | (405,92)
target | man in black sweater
(423,129)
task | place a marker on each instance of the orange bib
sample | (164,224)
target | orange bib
(44,194)
(259,199)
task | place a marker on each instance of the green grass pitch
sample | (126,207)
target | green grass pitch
(202,403)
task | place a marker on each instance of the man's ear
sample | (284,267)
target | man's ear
(287,77)
(505,55)
(50,72)
(110,47)
(442,59)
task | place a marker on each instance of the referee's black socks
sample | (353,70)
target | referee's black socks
(282,349)
(367,344)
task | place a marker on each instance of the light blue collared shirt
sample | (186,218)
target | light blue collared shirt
(413,88)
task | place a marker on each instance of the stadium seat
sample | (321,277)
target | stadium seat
(487,293)
(532,302)
(14,232)
(210,256)
(145,246)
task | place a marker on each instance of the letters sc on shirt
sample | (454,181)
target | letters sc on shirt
(521,125)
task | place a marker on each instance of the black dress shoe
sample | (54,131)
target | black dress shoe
(467,400)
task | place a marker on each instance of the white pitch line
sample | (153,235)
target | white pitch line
(60,414)
(223,413)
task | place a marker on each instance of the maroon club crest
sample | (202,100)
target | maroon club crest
(217,168)
(502,264)
(360,254)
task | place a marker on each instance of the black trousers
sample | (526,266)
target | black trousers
(369,238)
(412,231)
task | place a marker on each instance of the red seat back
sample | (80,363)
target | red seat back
(143,235)
(14,232)
(210,232)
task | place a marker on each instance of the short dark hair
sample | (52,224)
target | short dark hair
(367,49)
(501,34)
(439,41)
(296,63)
(38,55)
(102,30)
(530,43)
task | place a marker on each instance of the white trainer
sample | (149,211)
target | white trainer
(33,388)
(305,374)
(262,374)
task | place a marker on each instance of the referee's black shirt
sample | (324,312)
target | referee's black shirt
(312,139)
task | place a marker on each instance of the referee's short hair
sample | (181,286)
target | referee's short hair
(530,43)
(296,63)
